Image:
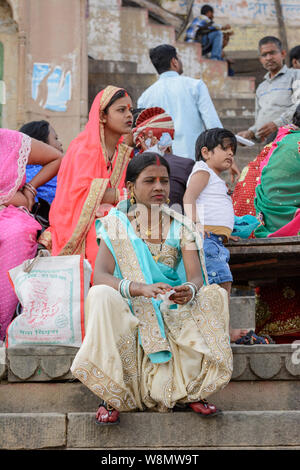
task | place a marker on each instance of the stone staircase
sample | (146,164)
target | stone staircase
(43,407)
(129,41)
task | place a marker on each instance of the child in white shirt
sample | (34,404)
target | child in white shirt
(207,201)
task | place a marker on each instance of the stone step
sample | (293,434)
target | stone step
(242,312)
(111,66)
(245,392)
(177,430)
(246,105)
(134,83)
(239,122)
(52,363)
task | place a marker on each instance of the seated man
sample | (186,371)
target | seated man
(203,29)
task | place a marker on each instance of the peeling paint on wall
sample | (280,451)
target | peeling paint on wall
(51,86)
(242,12)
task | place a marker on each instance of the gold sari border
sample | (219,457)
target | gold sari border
(76,244)
(149,329)
(103,386)
(123,156)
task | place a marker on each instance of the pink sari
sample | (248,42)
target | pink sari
(18,229)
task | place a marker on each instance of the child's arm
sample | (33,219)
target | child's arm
(198,182)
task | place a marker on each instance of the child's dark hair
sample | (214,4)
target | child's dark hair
(141,161)
(38,130)
(119,94)
(296,116)
(294,54)
(211,138)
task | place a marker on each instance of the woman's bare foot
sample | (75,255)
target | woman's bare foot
(236,333)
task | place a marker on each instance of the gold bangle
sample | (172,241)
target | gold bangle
(30,188)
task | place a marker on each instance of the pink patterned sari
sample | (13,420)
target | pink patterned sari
(18,229)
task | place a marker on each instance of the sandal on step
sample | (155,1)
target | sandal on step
(107,415)
(205,409)
(252,338)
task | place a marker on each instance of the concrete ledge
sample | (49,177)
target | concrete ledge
(32,431)
(58,397)
(52,363)
(265,362)
(39,363)
(187,430)
(242,312)
(3,367)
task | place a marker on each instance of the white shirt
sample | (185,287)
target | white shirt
(188,102)
(213,204)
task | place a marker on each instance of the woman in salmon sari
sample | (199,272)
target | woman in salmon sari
(91,178)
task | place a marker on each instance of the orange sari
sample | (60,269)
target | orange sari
(82,180)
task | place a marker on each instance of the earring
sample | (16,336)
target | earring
(168,201)
(132,198)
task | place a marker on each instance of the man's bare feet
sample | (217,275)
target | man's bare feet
(236,333)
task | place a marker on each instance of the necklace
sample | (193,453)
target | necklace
(109,161)
(148,234)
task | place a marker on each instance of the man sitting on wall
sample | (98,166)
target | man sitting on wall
(203,29)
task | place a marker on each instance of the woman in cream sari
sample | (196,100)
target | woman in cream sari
(156,334)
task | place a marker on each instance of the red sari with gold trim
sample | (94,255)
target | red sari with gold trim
(84,176)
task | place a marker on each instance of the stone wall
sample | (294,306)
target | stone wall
(250,19)
(126,34)
(45,64)
(9,41)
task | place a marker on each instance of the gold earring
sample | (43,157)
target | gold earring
(168,201)
(132,198)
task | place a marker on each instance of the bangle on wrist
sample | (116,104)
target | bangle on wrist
(193,288)
(30,188)
(124,288)
(29,185)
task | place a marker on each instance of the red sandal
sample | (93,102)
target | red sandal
(107,415)
(204,408)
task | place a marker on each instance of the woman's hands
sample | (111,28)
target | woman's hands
(138,289)
(183,294)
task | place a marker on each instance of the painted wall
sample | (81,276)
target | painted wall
(126,34)
(45,64)
(56,65)
(9,40)
(251,19)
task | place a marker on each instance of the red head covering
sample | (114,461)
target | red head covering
(155,120)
